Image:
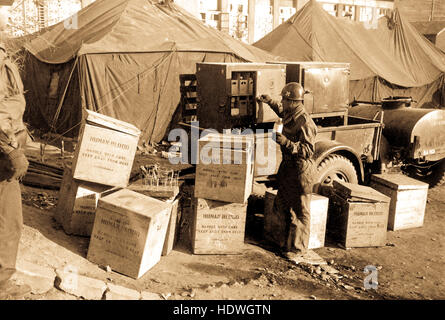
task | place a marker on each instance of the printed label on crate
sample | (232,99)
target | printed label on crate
(220,228)
(367,224)
(118,241)
(220,178)
(105,156)
(84,211)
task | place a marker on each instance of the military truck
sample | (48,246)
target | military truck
(347,147)
(350,145)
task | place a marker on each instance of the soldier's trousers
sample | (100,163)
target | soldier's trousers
(293,201)
(11,221)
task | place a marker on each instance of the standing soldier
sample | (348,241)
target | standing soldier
(296,170)
(13,166)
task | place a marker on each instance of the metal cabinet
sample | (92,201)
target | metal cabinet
(328,83)
(227,93)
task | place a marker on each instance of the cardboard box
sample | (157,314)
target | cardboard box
(106,150)
(129,232)
(77,204)
(408,199)
(275,226)
(355,223)
(225,168)
(218,227)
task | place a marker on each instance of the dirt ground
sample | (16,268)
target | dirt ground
(410,266)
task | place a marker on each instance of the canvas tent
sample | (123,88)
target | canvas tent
(388,59)
(121,58)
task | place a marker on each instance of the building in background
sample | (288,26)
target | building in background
(28,16)
(247,20)
(424,10)
(250,20)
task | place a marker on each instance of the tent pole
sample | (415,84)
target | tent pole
(62,100)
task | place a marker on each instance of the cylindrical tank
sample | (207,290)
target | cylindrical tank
(422,131)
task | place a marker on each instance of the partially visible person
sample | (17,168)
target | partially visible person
(13,166)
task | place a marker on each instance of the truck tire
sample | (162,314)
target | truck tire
(334,167)
(436,176)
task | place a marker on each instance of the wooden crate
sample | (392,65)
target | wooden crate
(218,227)
(167,195)
(171,236)
(225,169)
(106,151)
(408,199)
(267,155)
(275,226)
(357,224)
(129,232)
(77,204)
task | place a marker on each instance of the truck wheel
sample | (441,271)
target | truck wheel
(438,175)
(434,176)
(334,167)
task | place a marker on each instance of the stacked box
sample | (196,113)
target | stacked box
(77,203)
(218,227)
(408,199)
(106,150)
(358,216)
(267,155)
(129,232)
(225,168)
(168,196)
(275,222)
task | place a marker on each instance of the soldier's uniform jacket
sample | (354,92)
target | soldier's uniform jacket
(301,131)
(13,132)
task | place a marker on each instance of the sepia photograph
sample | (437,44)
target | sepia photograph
(222,158)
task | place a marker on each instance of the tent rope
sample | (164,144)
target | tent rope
(163,60)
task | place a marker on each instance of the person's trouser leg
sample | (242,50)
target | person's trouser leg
(300,224)
(300,214)
(11,221)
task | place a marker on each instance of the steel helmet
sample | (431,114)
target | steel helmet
(293,91)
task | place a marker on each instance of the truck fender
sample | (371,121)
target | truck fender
(327,147)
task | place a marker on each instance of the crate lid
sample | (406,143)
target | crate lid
(356,192)
(233,141)
(95,118)
(134,202)
(398,181)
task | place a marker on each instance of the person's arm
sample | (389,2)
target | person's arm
(274,105)
(304,148)
(8,141)
(12,107)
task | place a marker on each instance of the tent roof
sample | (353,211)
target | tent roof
(118,26)
(394,50)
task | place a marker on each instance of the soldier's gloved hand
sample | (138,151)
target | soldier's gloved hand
(281,139)
(19,164)
(264,98)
